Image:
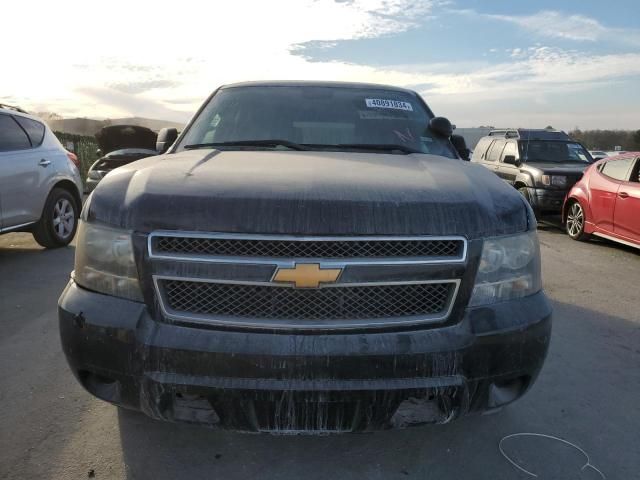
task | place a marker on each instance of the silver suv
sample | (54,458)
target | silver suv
(40,184)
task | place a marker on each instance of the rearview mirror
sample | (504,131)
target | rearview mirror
(460,145)
(441,126)
(166,137)
(511,160)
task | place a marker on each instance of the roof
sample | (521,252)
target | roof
(18,111)
(530,134)
(620,156)
(4,106)
(315,83)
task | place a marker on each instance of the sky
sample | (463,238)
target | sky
(566,63)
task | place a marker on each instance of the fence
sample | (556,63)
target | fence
(83,146)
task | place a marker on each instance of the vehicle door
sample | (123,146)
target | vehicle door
(20,173)
(480,150)
(603,187)
(49,160)
(507,171)
(626,216)
(493,155)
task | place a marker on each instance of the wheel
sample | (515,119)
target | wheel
(59,220)
(575,222)
(524,191)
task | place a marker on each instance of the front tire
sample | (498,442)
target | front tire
(576,221)
(524,191)
(59,221)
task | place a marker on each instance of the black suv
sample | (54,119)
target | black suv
(542,165)
(306,257)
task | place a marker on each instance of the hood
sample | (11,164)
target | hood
(308,193)
(118,158)
(117,137)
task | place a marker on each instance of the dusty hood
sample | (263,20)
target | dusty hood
(117,137)
(308,193)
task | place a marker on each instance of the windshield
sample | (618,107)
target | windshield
(553,152)
(317,118)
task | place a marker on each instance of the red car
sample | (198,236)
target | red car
(606,201)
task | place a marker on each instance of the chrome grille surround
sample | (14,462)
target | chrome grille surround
(224,291)
(239,248)
(244,247)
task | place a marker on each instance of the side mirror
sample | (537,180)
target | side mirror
(441,126)
(165,139)
(511,160)
(461,146)
(99,152)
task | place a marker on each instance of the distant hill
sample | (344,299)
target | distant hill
(89,126)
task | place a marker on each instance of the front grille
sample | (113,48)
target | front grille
(286,303)
(233,247)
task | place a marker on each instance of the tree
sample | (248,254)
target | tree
(636,140)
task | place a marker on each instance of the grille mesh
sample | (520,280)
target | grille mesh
(308,249)
(335,303)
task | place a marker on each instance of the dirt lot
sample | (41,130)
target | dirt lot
(587,394)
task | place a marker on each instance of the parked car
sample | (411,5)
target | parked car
(120,145)
(40,182)
(598,154)
(606,201)
(542,165)
(307,257)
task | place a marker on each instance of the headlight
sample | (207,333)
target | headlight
(555,180)
(95,174)
(104,261)
(509,268)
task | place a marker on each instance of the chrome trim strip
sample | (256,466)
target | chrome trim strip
(288,285)
(290,262)
(615,239)
(14,227)
(270,324)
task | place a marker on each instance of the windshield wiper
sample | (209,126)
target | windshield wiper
(248,143)
(383,147)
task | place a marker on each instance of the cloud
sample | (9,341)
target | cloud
(544,85)
(557,25)
(224,42)
(544,68)
(143,86)
(173,70)
(133,105)
(375,18)
(560,25)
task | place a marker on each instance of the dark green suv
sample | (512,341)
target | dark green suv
(542,165)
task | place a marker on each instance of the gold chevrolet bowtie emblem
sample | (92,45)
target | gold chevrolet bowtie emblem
(307,275)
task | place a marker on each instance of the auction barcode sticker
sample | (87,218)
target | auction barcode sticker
(384,103)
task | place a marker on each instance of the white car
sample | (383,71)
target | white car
(598,154)
(40,182)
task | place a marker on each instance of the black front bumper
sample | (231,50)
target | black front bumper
(546,201)
(291,383)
